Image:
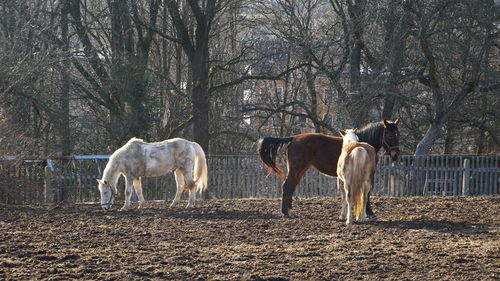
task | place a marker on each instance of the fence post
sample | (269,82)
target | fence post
(465,178)
(392,183)
(48,190)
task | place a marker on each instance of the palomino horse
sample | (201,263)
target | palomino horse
(138,159)
(355,169)
(322,152)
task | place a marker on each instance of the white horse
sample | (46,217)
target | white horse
(138,159)
(355,169)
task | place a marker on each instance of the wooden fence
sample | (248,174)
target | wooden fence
(438,175)
(243,176)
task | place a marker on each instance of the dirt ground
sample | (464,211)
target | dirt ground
(419,238)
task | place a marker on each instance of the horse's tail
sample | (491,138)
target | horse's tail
(200,169)
(268,148)
(359,156)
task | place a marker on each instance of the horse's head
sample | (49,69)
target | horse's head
(108,194)
(348,135)
(390,139)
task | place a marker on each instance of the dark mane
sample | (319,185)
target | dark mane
(372,134)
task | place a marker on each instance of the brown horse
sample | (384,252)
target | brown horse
(355,170)
(322,152)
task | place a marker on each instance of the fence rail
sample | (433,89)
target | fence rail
(243,176)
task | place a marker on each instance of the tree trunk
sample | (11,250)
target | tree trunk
(355,67)
(448,141)
(425,144)
(396,27)
(389,103)
(480,142)
(130,59)
(64,118)
(356,14)
(200,117)
(199,96)
(356,10)
(196,48)
(311,87)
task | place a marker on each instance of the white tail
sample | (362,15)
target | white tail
(200,169)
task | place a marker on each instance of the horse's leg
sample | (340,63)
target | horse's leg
(138,190)
(289,185)
(179,179)
(190,185)
(349,205)
(192,197)
(128,193)
(297,164)
(369,211)
(340,185)
(349,198)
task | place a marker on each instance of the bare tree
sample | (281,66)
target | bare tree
(450,32)
(64,129)
(308,37)
(116,62)
(28,77)
(78,75)
(195,45)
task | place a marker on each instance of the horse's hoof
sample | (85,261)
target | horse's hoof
(284,211)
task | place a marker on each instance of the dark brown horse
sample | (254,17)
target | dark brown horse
(322,152)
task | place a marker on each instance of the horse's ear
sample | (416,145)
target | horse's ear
(342,132)
(386,124)
(101,181)
(396,122)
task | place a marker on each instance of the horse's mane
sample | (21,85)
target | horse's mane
(134,139)
(371,133)
(115,158)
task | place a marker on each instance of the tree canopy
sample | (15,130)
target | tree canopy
(84,76)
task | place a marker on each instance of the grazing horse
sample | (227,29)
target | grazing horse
(322,152)
(138,159)
(355,169)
